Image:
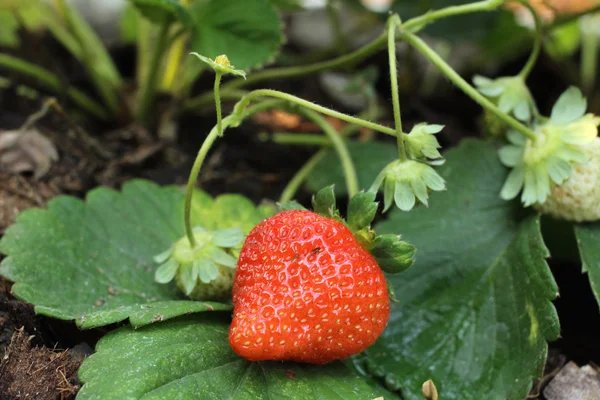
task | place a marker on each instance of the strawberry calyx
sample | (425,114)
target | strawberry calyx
(203,271)
(392,253)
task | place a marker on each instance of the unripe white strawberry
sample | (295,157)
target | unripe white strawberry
(578,198)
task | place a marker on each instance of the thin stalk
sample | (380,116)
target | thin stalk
(393,22)
(201,156)
(340,147)
(537,42)
(312,106)
(463,85)
(294,184)
(347,61)
(218,102)
(148,90)
(417,23)
(53,83)
(298,139)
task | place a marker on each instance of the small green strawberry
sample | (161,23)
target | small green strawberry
(204,272)
(307,290)
(578,198)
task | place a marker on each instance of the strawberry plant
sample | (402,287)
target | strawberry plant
(427,274)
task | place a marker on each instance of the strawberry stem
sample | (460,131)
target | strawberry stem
(393,22)
(463,85)
(201,156)
(537,44)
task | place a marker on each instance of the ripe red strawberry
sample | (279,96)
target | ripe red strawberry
(306,290)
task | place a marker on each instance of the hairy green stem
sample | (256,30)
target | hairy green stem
(53,83)
(299,139)
(148,90)
(393,22)
(537,43)
(294,184)
(311,106)
(347,61)
(340,147)
(232,120)
(218,102)
(463,85)
(417,23)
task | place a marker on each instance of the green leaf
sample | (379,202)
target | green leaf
(324,202)
(190,358)
(291,205)
(369,159)
(249,31)
(475,310)
(93,261)
(570,106)
(361,210)
(392,254)
(588,241)
(164,11)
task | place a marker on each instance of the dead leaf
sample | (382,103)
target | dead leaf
(26,151)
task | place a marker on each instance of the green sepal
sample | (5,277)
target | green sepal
(324,202)
(571,105)
(361,210)
(392,254)
(164,11)
(291,205)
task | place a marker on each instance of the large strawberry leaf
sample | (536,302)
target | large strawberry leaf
(93,261)
(190,358)
(475,310)
(588,240)
(249,32)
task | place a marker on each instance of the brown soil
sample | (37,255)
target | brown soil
(39,373)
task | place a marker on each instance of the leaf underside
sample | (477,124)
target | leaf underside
(475,310)
(93,262)
(588,241)
(190,358)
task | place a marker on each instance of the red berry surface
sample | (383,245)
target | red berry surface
(305,290)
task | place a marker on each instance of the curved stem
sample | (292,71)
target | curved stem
(393,22)
(463,85)
(340,147)
(417,23)
(201,156)
(537,44)
(312,106)
(218,102)
(347,61)
(298,139)
(294,184)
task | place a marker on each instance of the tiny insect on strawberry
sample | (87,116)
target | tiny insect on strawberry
(306,290)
